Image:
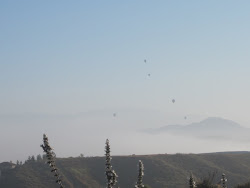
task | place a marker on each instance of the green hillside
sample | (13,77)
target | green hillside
(161,171)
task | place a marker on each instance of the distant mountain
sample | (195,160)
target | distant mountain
(161,171)
(212,127)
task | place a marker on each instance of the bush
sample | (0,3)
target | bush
(246,185)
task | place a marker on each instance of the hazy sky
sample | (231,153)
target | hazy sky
(66,67)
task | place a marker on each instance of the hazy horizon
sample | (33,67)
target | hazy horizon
(77,72)
(67,141)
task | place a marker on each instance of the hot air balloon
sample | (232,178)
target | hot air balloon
(173,100)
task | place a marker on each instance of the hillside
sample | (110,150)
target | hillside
(161,171)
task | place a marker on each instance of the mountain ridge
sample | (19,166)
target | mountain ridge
(212,127)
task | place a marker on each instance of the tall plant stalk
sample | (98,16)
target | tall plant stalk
(110,173)
(224,181)
(50,155)
(191,182)
(139,183)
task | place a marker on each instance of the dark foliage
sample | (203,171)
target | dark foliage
(208,181)
(246,185)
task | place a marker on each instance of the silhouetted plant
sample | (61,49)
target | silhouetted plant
(139,183)
(246,185)
(110,173)
(208,182)
(191,181)
(224,181)
(50,155)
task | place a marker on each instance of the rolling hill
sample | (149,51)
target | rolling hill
(161,171)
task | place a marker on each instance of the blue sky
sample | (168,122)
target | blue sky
(66,64)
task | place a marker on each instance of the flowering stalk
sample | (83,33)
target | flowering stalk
(224,181)
(191,182)
(51,159)
(139,183)
(111,174)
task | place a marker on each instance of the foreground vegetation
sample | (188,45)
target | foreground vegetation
(161,171)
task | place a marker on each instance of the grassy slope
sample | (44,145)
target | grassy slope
(161,171)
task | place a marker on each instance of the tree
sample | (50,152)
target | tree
(81,155)
(44,156)
(39,158)
(110,173)
(33,158)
